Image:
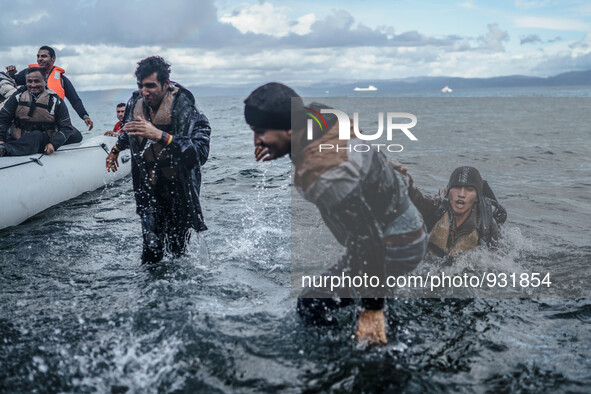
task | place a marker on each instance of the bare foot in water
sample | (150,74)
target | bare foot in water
(371,327)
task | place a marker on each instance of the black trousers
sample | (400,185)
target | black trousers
(317,305)
(28,144)
(165,226)
(159,235)
(75,137)
(35,142)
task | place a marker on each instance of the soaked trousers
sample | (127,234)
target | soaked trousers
(317,306)
(164,226)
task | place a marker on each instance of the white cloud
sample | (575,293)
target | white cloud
(266,19)
(31,19)
(260,41)
(467,4)
(530,4)
(566,24)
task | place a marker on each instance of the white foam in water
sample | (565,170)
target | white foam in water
(198,251)
(129,363)
(506,258)
(258,228)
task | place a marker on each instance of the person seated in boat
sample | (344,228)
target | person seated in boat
(59,83)
(117,129)
(7,87)
(464,215)
(40,118)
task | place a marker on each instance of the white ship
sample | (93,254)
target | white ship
(447,89)
(370,88)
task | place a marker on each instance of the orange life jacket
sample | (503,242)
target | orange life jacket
(54,80)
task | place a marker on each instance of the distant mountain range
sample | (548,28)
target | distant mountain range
(336,87)
(572,78)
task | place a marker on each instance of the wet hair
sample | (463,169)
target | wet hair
(120,105)
(35,69)
(269,106)
(151,65)
(48,49)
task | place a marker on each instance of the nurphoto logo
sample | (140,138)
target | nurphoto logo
(344,123)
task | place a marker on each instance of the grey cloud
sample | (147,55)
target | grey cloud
(584,43)
(493,40)
(530,39)
(339,30)
(66,52)
(114,22)
(533,38)
(193,25)
(463,45)
(559,64)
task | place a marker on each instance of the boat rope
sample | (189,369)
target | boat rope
(104,146)
(37,160)
(31,160)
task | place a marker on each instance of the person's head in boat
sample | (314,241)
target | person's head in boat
(267,111)
(46,58)
(120,111)
(35,79)
(463,190)
(153,79)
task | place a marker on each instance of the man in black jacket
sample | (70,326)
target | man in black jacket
(40,118)
(169,141)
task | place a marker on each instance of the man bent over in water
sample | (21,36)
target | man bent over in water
(362,199)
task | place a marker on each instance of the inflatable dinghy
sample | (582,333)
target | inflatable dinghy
(31,184)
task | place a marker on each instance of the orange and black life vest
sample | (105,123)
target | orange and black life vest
(54,80)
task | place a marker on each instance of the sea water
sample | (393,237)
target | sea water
(78,313)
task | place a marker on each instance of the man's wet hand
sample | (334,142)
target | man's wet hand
(261,152)
(143,128)
(112,162)
(49,149)
(371,327)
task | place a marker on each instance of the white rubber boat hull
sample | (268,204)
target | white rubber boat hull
(28,189)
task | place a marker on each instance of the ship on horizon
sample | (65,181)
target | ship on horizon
(370,88)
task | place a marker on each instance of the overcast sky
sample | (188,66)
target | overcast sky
(299,41)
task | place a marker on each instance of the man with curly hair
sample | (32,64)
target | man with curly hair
(169,141)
